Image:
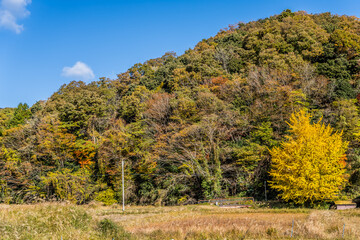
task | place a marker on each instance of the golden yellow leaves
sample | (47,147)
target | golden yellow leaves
(309,166)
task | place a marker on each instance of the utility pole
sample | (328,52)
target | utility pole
(123,187)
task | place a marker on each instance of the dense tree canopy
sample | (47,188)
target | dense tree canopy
(189,127)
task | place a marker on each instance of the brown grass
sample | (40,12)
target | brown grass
(211,222)
(53,220)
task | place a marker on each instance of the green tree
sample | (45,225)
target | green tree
(22,112)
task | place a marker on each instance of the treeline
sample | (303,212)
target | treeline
(188,127)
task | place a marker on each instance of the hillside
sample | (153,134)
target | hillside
(188,127)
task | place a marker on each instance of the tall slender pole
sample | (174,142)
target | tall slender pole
(123,187)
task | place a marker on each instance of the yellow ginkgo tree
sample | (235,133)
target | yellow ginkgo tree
(309,166)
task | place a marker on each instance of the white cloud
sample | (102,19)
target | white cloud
(11,11)
(79,70)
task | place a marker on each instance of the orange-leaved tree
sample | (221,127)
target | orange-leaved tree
(310,165)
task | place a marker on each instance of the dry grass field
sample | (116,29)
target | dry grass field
(55,220)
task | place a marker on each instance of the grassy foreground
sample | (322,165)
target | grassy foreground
(55,220)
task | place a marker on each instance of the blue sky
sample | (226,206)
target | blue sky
(47,43)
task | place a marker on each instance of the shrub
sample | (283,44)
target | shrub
(107,197)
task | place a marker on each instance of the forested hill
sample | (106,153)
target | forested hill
(188,127)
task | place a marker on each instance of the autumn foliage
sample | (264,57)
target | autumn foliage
(200,125)
(310,165)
